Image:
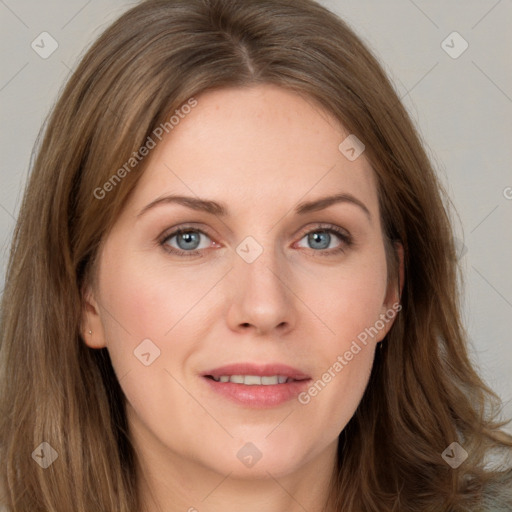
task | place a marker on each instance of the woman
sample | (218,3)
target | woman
(263,369)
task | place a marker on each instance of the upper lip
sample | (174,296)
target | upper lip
(264,370)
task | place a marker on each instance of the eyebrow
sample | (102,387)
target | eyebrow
(221,210)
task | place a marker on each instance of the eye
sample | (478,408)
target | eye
(188,241)
(321,239)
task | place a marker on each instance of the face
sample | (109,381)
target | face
(265,280)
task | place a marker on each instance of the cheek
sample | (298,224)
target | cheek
(145,297)
(350,305)
(351,299)
(331,401)
(142,310)
(343,370)
(151,330)
(158,319)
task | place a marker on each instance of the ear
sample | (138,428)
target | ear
(391,305)
(394,291)
(92,327)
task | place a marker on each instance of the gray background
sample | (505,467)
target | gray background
(462,106)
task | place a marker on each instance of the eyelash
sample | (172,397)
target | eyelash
(325,228)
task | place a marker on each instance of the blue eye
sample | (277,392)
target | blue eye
(320,240)
(188,241)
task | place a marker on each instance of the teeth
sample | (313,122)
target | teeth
(253,380)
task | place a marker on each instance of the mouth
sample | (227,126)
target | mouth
(257,386)
(254,380)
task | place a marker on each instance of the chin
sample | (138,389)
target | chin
(245,459)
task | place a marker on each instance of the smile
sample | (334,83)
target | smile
(256,386)
(253,380)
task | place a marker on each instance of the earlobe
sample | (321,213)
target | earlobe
(92,327)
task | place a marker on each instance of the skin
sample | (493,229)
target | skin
(261,151)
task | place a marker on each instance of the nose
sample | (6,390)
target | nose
(262,297)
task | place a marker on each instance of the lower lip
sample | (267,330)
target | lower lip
(259,396)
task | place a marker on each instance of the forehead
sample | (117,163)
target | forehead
(263,143)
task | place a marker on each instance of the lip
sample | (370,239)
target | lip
(257,396)
(265,370)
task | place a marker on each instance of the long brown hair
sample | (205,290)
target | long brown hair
(423,392)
